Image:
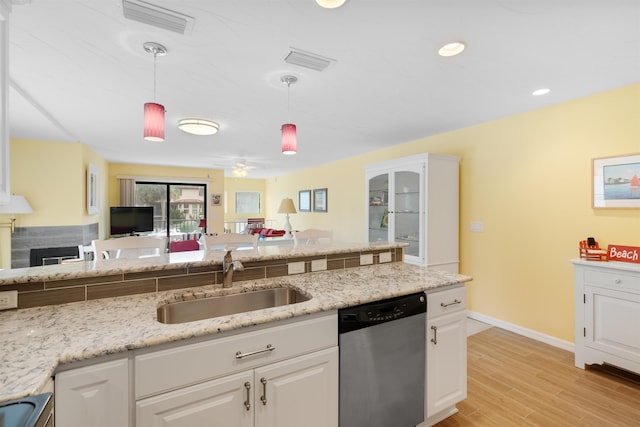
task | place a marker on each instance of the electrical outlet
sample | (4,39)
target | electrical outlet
(384,257)
(8,299)
(296,267)
(366,259)
(319,264)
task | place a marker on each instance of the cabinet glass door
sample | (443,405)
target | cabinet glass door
(406,210)
(379,208)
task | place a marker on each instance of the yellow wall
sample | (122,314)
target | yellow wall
(233,185)
(56,193)
(212,177)
(527,179)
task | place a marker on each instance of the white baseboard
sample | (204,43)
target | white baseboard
(529,333)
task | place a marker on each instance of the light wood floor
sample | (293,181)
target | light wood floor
(517,381)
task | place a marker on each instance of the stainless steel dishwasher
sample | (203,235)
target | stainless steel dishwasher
(382,363)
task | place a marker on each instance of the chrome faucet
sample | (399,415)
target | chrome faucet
(228,267)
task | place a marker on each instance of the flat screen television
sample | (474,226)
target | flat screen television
(131,219)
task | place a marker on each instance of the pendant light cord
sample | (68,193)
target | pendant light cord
(155,55)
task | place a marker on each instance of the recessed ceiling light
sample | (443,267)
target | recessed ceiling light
(451,49)
(330,4)
(542,91)
(198,126)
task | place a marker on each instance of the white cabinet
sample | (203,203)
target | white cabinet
(414,200)
(284,375)
(446,371)
(607,308)
(299,391)
(95,395)
(228,400)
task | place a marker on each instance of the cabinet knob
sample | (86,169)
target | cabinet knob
(617,281)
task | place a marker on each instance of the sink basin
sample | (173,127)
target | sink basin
(205,308)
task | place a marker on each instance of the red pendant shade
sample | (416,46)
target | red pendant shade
(289,141)
(153,122)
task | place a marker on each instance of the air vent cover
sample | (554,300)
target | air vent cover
(307,60)
(157,16)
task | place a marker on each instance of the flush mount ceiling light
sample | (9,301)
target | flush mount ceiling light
(451,49)
(289,132)
(198,126)
(542,91)
(154,112)
(330,4)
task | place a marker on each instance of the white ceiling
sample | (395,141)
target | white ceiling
(78,72)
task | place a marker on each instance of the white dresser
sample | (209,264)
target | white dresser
(607,314)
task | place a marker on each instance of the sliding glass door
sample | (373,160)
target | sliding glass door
(177,208)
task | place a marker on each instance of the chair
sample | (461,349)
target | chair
(129,247)
(312,236)
(184,245)
(230,239)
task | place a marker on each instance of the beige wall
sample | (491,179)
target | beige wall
(527,179)
(212,177)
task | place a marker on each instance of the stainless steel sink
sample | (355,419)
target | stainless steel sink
(205,308)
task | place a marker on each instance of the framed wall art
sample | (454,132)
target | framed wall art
(93,190)
(320,200)
(616,182)
(304,201)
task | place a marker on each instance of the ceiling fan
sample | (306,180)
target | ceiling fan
(241,169)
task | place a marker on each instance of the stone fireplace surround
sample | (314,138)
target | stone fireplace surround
(26,238)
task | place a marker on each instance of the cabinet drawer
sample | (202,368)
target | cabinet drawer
(169,369)
(447,301)
(614,280)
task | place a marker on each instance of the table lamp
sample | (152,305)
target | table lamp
(287,207)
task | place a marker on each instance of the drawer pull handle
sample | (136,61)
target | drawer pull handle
(240,355)
(455,301)
(434,340)
(263,398)
(617,281)
(247,403)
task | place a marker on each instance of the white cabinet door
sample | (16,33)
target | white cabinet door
(446,361)
(611,319)
(219,403)
(298,392)
(96,395)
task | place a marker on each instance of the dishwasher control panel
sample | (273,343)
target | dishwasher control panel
(369,314)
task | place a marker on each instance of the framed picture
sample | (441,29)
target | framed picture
(92,190)
(616,182)
(216,199)
(320,200)
(248,202)
(304,201)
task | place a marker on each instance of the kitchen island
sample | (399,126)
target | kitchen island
(37,341)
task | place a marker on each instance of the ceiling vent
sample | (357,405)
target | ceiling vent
(157,16)
(308,60)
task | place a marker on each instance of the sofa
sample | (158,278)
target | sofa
(267,232)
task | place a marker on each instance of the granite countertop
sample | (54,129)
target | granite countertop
(35,341)
(73,270)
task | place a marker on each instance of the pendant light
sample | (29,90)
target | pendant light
(289,138)
(154,112)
